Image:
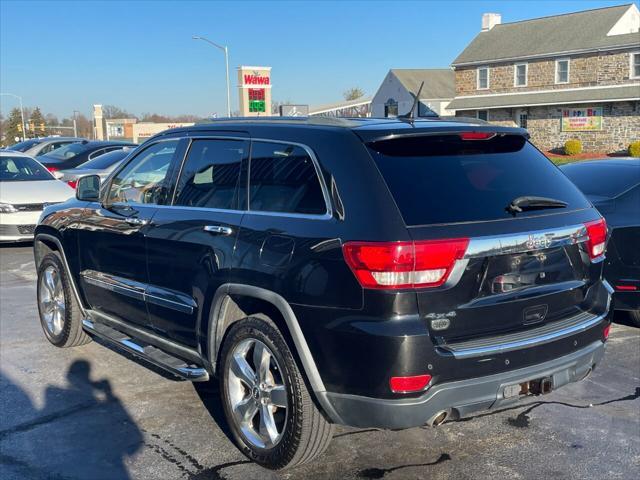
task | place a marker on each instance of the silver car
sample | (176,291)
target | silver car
(102,166)
(49,144)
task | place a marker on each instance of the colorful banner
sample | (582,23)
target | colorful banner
(582,119)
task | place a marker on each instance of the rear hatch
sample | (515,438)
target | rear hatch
(527,263)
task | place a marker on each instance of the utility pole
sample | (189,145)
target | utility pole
(24,131)
(75,126)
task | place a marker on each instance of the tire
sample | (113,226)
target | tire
(634,316)
(60,316)
(302,431)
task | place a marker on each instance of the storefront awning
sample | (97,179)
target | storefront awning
(556,97)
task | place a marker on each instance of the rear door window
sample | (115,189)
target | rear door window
(438,179)
(211,174)
(283,178)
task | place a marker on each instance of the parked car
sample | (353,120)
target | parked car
(72,155)
(101,166)
(49,144)
(24,145)
(613,186)
(379,273)
(25,188)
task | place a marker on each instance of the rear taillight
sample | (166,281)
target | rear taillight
(606,331)
(52,169)
(395,265)
(409,384)
(72,183)
(477,135)
(597,232)
(626,288)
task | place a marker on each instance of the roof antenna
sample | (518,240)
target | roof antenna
(410,116)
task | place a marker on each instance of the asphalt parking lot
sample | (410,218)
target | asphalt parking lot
(90,413)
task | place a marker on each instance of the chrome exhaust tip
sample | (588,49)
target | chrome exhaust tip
(438,418)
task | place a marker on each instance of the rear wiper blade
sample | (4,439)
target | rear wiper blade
(521,204)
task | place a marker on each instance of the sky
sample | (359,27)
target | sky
(139,55)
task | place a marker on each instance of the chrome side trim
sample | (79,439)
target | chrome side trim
(525,241)
(128,288)
(140,291)
(527,339)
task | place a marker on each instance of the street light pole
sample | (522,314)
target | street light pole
(226,61)
(24,131)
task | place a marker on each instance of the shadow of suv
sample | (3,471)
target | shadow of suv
(368,272)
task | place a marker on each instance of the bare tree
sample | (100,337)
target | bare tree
(353,93)
(112,111)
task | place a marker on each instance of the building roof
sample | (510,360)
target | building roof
(328,107)
(438,82)
(549,36)
(548,97)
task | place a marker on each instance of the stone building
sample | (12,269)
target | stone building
(561,77)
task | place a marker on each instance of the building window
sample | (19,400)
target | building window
(391,108)
(562,70)
(483,78)
(635,65)
(483,115)
(522,119)
(520,74)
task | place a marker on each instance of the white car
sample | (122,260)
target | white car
(26,187)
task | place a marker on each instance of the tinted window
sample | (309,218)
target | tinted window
(16,169)
(211,173)
(283,179)
(143,179)
(26,145)
(52,146)
(105,161)
(68,151)
(603,180)
(443,179)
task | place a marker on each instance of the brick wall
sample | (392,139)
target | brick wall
(605,68)
(620,126)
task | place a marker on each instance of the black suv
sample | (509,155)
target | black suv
(368,272)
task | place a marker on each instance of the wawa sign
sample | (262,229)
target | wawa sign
(256,79)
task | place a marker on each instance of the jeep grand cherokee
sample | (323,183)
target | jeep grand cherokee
(370,272)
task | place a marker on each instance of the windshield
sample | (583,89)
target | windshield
(106,160)
(26,145)
(67,151)
(22,169)
(603,180)
(440,179)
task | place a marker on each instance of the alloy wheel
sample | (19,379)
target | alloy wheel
(51,299)
(257,393)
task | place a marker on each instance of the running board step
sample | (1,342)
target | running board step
(151,354)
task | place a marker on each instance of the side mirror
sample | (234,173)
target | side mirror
(88,188)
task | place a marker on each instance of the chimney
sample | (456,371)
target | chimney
(490,20)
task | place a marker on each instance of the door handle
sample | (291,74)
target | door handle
(219,229)
(138,222)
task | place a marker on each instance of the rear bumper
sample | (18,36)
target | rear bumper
(460,397)
(626,300)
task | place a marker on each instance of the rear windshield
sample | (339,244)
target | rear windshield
(106,160)
(22,169)
(603,180)
(67,152)
(444,179)
(26,145)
